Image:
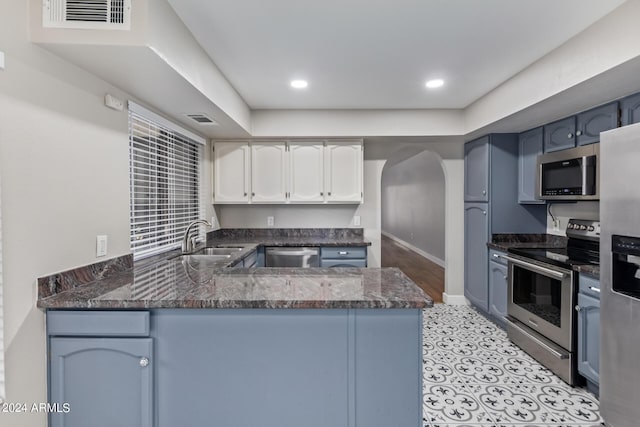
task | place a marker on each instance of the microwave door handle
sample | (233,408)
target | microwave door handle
(583,167)
(536,268)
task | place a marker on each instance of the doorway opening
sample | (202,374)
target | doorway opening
(413,219)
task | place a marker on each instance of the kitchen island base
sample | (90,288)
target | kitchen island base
(255,367)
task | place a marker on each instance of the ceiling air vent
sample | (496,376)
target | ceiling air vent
(87,14)
(202,119)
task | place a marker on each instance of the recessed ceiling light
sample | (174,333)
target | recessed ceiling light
(299,84)
(432,84)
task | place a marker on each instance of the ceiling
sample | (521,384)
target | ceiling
(378,54)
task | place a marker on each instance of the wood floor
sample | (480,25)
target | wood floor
(427,275)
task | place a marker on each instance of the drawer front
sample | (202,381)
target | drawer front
(496,256)
(343,263)
(590,285)
(344,252)
(98,323)
(251,260)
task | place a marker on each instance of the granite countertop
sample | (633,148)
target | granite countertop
(504,242)
(289,237)
(173,281)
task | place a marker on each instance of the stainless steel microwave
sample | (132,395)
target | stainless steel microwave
(571,174)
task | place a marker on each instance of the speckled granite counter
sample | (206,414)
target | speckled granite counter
(504,242)
(289,236)
(193,282)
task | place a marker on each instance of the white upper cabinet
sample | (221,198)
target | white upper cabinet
(288,172)
(306,172)
(232,166)
(269,172)
(343,171)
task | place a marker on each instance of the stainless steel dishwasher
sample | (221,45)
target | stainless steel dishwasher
(292,257)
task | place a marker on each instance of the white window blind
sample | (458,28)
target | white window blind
(164,181)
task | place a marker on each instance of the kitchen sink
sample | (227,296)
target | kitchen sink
(204,257)
(218,251)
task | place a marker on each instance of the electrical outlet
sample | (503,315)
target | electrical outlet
(556,225)
(356,220)
(101,245)
(270,221)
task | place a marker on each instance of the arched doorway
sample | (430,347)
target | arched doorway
(413,218)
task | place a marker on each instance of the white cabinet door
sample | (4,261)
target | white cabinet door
(343,171)
(306,172)
(268,172)
(232,168)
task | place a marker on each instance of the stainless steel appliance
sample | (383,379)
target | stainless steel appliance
(620,277)
(541,297)
(569,174)
(292,257)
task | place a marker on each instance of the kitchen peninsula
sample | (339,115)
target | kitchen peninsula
(189,341)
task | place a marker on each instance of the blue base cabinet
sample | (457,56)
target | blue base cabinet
(352,256)
(588,309)
(498,282)
(237,367)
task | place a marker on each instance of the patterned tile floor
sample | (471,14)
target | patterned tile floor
(474,376)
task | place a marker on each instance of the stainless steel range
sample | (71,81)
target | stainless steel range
(542,294)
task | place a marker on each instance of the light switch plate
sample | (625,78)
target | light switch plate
(270,221)
(356,220)
(1,60)
(101,245)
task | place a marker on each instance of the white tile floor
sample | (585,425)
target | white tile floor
(474,376)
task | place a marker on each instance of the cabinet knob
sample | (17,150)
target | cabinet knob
(484,212)
(484,192)
(504,277)
(569,136)
(144,362)
(578,308)
(578,133)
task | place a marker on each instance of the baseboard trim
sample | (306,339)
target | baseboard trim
(412,248)
(454,299)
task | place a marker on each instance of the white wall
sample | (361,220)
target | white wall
(413,203)
(563,212)
(65,163)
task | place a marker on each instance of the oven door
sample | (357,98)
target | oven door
(542,298)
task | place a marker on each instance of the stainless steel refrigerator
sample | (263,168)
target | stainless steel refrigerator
(620,276)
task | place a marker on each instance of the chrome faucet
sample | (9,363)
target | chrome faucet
(189,242)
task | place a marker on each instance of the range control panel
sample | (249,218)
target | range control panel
(583,229)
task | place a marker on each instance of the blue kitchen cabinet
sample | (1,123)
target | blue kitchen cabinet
(591,123)
(101,364)
(560,135)
(588,309)
(476,233)
(498,282)
(630,110)
(120,390)
(530,145)
(343,256)
(476,170)
(498,212)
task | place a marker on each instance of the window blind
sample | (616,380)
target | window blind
(164,181)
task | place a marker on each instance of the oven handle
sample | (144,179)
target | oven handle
(536,268)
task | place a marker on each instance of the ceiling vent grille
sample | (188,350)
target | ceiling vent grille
(87,14)
(202,119)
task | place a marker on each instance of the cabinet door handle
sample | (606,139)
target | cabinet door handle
(144,362)
(569,136)
(578,133)
(578,308)
(594,289)
(343,252)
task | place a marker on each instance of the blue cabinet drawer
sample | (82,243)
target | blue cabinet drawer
(343,252)
(357,263)
(497,256)
(590,285)
(98,323)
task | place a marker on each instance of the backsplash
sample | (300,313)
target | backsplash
(565,211)
(268,233)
